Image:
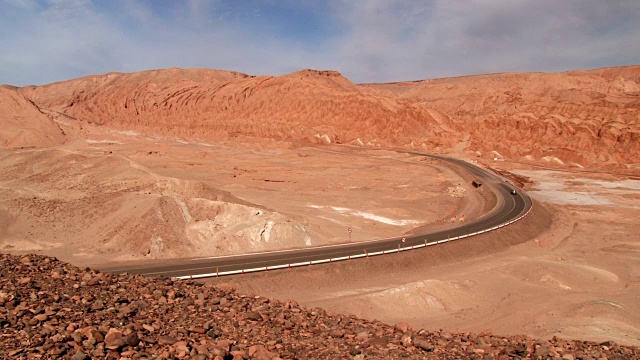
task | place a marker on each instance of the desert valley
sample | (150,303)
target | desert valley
(166,166)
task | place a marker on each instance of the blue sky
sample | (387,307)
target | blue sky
(366,40)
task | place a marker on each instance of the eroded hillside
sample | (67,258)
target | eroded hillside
(579,118)
(317,106)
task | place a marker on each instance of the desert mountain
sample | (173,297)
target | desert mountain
(580,118)
(312,105)
(23,125)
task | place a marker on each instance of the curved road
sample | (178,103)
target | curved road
(508,209)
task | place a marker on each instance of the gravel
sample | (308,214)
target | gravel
(50,309)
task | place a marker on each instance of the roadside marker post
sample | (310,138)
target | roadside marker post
(462,218)
(453,219)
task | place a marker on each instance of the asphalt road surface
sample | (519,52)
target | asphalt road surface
(509,207)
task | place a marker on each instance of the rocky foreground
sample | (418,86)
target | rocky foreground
(50,309)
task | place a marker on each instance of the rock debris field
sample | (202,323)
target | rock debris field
(50,309)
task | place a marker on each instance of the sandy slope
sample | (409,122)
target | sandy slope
(22,124)
(117,196)
(96,204)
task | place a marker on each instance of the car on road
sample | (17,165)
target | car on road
(514,192)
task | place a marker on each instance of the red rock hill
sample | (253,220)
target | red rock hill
(209,104)
(585,118)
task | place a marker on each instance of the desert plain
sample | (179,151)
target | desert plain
(178,164)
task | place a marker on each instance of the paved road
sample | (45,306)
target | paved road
(509,207)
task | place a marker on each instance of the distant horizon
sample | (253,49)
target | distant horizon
(377,41)
(358,83)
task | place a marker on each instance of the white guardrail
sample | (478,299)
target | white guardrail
(364,254)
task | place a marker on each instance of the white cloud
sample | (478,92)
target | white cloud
(375,40)
(385,42)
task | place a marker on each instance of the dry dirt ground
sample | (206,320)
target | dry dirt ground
(145,193)
(571,270)
(118,196)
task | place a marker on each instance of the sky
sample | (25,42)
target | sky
(43,41)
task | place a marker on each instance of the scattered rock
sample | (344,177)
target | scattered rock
(131,339)
(423,344)
(167,340)
(79,355)
(402,327)
(113,339)
(253,316)
(131,317)
(541,351)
